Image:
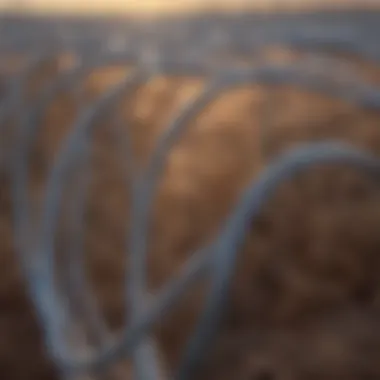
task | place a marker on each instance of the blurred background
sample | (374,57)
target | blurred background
(151,6)
(305,300)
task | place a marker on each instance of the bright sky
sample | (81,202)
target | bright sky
(154,6)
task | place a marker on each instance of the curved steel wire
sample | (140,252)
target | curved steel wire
(212,257)
(144,191)
(29,125)
(218,258)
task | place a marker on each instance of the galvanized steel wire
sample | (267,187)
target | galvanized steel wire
(315,72)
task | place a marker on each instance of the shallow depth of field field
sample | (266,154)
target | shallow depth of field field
(305,299)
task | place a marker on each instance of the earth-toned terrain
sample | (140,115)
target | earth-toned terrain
(304,303)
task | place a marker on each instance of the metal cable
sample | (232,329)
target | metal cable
(217,260)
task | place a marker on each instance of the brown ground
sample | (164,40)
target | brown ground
(304,302)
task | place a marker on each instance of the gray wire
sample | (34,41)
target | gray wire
(218,258)
(75,143)
(29,124)
(366,95)
(221,255)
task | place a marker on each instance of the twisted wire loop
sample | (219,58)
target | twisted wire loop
(217,259)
